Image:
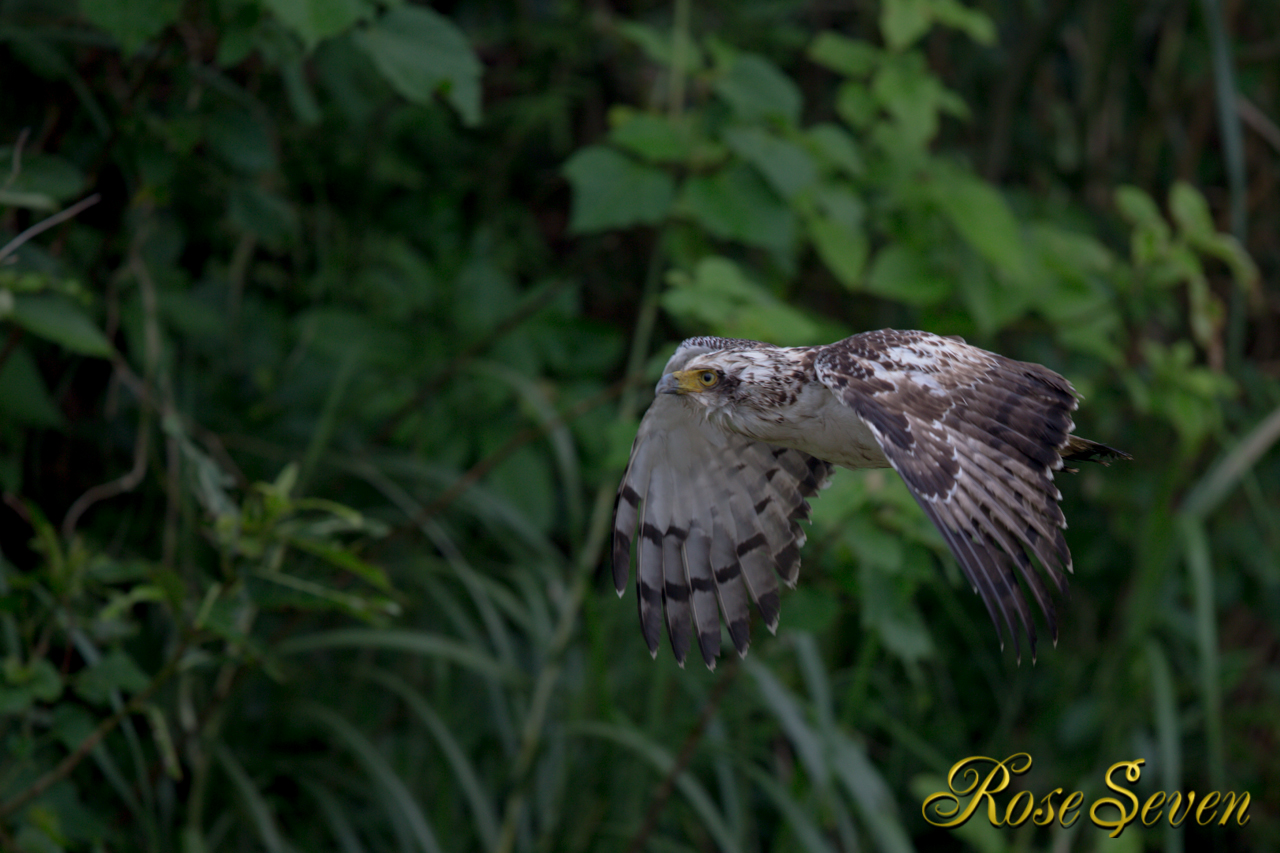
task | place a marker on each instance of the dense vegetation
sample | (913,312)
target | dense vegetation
(327,325)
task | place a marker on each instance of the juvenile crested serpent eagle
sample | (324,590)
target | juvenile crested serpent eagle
(742,433)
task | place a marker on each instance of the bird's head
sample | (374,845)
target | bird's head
(733,385)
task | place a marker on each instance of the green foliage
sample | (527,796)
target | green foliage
(327,326)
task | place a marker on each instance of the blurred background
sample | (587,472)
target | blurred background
(327,325)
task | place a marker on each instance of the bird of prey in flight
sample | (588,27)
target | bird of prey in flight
(742,433)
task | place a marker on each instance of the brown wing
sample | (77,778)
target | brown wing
(976,437)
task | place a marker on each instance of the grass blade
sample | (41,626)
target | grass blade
(808,833)
(486,819)
(662,761)
(1222,477)
(870,794)
(1200,568)
(256,808)
(397,797)
(1167,733)
(402,640)
(808,743)
(348,841)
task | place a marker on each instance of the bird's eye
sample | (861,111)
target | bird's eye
(708,378)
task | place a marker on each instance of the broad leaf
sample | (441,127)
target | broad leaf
(131,22)
(610,190)
(757,90)
(902,273)
(60,320)
(421,54)
(316,20)
(735,204)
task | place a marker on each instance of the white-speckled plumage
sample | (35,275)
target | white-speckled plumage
(743,433)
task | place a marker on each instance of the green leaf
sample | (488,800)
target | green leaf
(786,166)
(316,20)
(994,301)
(60,320)
(131,22)
(400,802)
(115,671)
(71,724)
(902,273)
(870,793)
(851,57)
(735,204)
(422,53)
(15,700)
(304,594)
(23,395)
(38,681)
(972,22)
(834,145)
(29,201)
(793,720)
(242,138)
(902,22)
(1227,249)
(259,812)
(1138,207)
(887,607)
(817,611)
(978,834)
(842,248)
(263,213)
(912,94)
(979,212)
(480,800)
(720,296)
(611,190)
(1191,213)
(45,180)
(655,138)
(664,763)
(656,45)
(756,90)
(413,642)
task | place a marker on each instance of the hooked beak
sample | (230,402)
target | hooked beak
(669,384)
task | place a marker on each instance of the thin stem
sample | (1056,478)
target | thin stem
(687,750)
(130,480)
(47,223)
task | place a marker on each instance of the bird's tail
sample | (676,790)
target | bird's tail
(1083,450)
